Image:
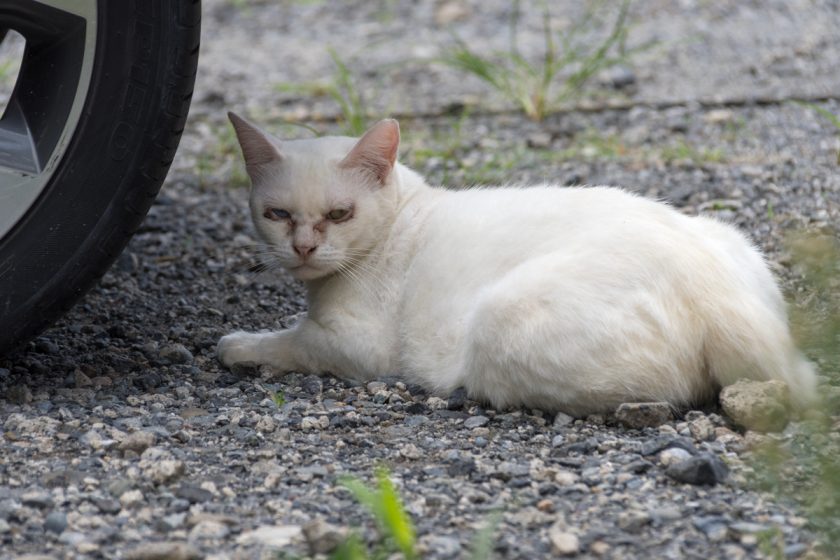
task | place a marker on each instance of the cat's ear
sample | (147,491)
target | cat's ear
(376,152)
(257,148)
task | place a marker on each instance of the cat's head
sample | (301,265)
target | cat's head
(321,204)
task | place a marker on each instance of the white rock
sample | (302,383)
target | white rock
(757,405)
(563,543)
(673,455)
(131,498)
(275,536)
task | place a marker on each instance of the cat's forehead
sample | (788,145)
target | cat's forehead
(322,149)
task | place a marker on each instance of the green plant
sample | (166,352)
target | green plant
(804,467)
(827,115)
(383,502)
(531,85)
(279,398)
(343,89)
(395,526)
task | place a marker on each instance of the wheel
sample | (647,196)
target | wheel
(87,137)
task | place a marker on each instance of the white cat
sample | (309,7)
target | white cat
(563,299)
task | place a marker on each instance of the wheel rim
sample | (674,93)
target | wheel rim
(47,101)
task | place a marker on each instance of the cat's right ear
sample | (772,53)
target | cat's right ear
(257,148)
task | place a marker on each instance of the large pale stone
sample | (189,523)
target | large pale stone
(757,405)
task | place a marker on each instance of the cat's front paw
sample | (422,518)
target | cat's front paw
(240,347)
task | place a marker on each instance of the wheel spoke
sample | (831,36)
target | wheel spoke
(48,98)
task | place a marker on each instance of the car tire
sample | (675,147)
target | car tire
(141,83)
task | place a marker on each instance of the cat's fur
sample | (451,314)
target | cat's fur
(569,299)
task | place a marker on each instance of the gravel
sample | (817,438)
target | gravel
(123,437)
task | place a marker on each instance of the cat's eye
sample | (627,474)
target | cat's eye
(338,214)
(276,214)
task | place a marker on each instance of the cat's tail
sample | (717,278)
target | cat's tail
(751,340)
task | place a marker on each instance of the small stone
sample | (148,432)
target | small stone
(416,420)
(322,537)
(757,405)
(315,423)
(209,529)
(435,403)
(713,526)
(266,425)
(37,499)
(193,494)
(545,505)
(539,140)
(164,551)
(702,469)
(444,546)
(275,536)
(561,420)
(159,466)
(375,386)
(599,548)
(108,505)
(563,543)
(643,415)
(132,498)
(19,394)
(718,116)
(702,429)
(176,354)
(457,399)
(476,422)
(618,76)
(138,442)
(451,11)
(81,380)
(56,522)
(410,451)
(673,455)
(633,521)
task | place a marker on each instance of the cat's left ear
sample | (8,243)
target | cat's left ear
(376,152)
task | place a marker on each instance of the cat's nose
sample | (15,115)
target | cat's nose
(304,250)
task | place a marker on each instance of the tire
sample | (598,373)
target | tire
(141,83)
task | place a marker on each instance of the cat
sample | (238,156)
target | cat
(572,299)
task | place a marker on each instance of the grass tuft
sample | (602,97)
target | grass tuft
(567,64)
(802,466)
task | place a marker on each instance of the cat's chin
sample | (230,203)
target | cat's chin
(307,272)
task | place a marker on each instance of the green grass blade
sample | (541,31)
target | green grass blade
(395,517)
(482,544)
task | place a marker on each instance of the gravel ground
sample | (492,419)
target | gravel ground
(121,430)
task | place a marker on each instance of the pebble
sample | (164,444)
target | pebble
(176,354)
(275,536)
(702,469)
(315,423)
(323,537)
(643,415)
(131,499)
(561,420)
(563,543)
(168,550)
(138,442)
(702,429)
(56,522)
(37,499)
(673,455)
(160,467)
(476,422)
